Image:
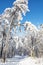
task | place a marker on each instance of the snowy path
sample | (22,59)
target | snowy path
(18,60)
(31,61)
(13,61)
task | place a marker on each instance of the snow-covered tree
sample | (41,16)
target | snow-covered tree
(10,19)
(10,42)
(31,32)
(39,40)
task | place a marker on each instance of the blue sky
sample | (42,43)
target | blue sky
(36,10)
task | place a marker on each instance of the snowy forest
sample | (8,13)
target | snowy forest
(18,38)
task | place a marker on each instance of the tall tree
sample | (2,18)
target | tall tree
(11,18)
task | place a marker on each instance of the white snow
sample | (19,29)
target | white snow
(31,61)
(23,60)
(12,61)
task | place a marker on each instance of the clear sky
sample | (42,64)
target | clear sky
(36,10)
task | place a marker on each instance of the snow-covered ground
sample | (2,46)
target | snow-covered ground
(31,61)
(23,60)
(12,61)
